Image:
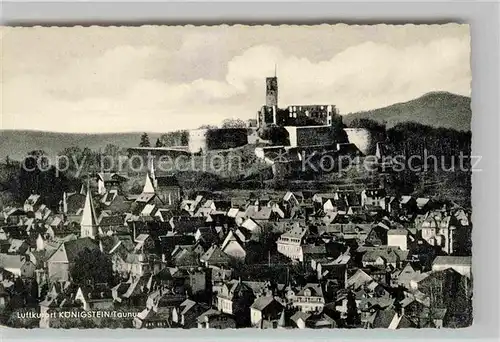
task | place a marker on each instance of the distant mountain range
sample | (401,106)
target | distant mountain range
(437,109)
(17,143)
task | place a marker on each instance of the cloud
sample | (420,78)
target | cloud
(154,88)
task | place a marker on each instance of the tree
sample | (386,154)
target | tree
(368,124)
(233,123)
(38,176)
(208,127)
(144,140)
(352,310)
(158,143)
(92,266)
(175,138)
(111,150)
(278,135)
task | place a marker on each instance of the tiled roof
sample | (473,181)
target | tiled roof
(11,261)
(214,255)
(112,221)
(316,290)
(358,279)
(297,232)
(453,260)
(208,314)
(262,302)
(300,315)
(397,232)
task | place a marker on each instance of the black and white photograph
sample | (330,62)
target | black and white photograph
(234,176)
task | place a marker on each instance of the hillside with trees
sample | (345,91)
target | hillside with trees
(435,109)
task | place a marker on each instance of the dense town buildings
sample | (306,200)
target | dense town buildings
(273,259)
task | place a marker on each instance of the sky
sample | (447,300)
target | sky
(163,78)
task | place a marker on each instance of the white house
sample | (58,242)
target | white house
(310,298)
(290,243)
(232,246)
(398,238)
(461,264)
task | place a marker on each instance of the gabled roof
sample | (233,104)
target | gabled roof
(164,214)
(187,257)
(32,199)
(75,203)
(230,237)
(389,254)
(144,198)
(108,197)
(18,246)
(148,210)
(111,176)
(406,274)
(397,232)
(358,279)
(112,221)
(109,243)
(316,290)
(263,214)
(187,305)
(214,255)
(243,234)
(250,224)
(11,261)
(263,302)
(405,199)
(300,315)
(204,317)
(421,202)
(314,249)
(233,212)
(297,232)
(453,260)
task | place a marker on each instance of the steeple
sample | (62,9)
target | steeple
(148,186)
(282,321)
(88,225)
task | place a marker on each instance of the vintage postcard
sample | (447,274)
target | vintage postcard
(267,177)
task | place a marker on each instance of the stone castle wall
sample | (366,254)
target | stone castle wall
(364,139)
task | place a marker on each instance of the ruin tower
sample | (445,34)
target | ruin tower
(272,91)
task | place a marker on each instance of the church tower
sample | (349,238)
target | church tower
(88,225)
(148,185)
(272,91)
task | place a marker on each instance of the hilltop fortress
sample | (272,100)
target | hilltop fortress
(313,124)
(308,126)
